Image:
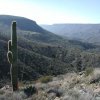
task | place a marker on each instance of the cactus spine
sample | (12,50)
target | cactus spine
(12,57)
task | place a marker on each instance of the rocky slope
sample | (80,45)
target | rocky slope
(71,86)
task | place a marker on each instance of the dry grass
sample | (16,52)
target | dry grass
(45,79)
(89,71)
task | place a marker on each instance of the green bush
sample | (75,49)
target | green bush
(45,79)
(89,71)
(1,92)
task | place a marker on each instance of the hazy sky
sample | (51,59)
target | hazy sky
(54,11)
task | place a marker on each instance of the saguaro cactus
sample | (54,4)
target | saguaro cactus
(12,57)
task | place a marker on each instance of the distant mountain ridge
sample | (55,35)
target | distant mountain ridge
(26,26)
(22,23)
(84,32)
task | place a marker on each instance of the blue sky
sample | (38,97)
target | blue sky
(54,11)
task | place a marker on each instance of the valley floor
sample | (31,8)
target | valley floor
(71,86)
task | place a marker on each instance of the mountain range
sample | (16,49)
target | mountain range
(41,52)
(83,32)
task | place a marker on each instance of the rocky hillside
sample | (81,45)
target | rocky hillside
(71,86)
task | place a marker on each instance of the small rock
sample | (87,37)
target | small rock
(57,98)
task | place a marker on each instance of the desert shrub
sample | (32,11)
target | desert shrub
(57,92)
(74,82)
(19,95)
(95,78)
(30,90)
(79,94)
(21,84)
(89,71)
(45,79)
(1,92)
(41,96)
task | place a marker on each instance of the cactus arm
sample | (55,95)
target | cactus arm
(9,45)
(10,57)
